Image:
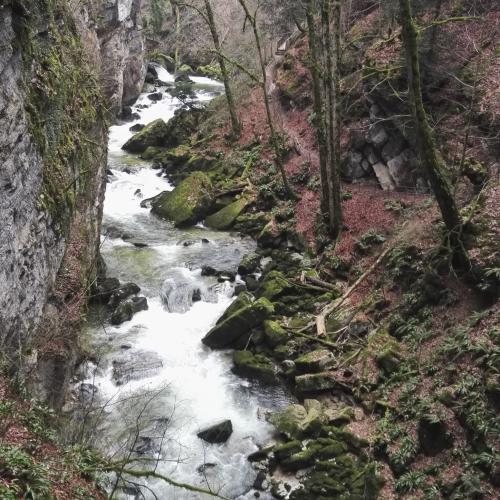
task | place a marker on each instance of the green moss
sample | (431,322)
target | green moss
(254,366)
(274,333)
(65,110)
(274,285)
(187,203)
(225,218)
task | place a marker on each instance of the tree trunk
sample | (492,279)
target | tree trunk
(431,161)
(334,207)
(177,35)
(278,150)
(235,124)
(319,106)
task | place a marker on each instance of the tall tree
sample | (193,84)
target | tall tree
(275,138)
(319,106)
(331,45)
(235,124)
(431,160)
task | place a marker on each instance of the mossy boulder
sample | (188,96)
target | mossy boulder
(251,224)
(274,285)
(243,300)
(153,134)
(225,218)
(226,333)
(254,366)
(274,333)
(300,460)
(249,264)
(316,382)
(315,361)
(299,421)
(271,236)
(286,450)
(218,433)
(187,203)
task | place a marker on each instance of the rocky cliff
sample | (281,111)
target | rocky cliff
(62,67)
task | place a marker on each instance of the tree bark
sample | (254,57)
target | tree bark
(235,124)
(432,163)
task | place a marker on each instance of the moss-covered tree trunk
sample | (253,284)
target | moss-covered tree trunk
(235,124)
(333,130)
(319,105)
(431,161)
(275,139)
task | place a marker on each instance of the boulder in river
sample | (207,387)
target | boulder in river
(228,332)
(249,264)
(188,203)
(218,433)
(122,293)
(126,310)
(153,134)
(104,289)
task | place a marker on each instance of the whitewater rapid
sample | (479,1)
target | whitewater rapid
(184,386)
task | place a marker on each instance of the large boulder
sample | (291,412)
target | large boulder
(218,433)
(225,218)
(384,177)
(154,134)
(239,324)
(315,361)
(187,203)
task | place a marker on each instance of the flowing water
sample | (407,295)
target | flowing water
(157,382)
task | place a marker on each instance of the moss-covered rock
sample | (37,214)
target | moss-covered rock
(315,361)
(274,333)
(153,134)
(271,236)
(274,285)
(243,300)
(316,382)
(187,203)
(299,421)
(251,224)
(224,219)
(254,366)
(239,324)
(249,264)
(284,451)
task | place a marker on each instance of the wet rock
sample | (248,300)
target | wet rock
(187,203)
(122,293)
(270,236)
(153,134)
(135,366)
(315,361)
(261,483)
(139,244)
(105,289)
(240,287)
(155,96)
(208,271)
(218,433)
(226,276)
(239,324)
(126,310)
(249,264)
(204,467)
(255,366)
(284,451)
(261,454)
(196,295)
(433,436)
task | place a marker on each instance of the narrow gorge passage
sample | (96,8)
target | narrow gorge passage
(154,372)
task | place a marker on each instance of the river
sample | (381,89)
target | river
(158,385)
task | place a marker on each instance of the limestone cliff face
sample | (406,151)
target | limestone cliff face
(54,111)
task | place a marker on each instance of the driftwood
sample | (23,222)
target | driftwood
(333,306)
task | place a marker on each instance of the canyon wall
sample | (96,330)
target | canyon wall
(64,65)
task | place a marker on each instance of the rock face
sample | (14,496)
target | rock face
(122,50)
(49,236)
